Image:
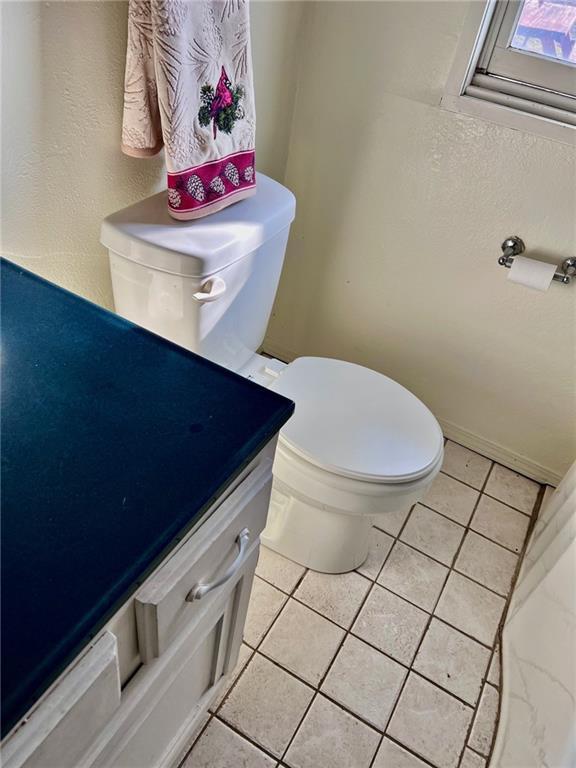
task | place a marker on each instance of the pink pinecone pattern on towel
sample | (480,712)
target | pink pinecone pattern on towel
(249,174)
(196,188)
(174,198)
(231,173)
(217,185)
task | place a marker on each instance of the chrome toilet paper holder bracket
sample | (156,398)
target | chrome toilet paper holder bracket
(514,246)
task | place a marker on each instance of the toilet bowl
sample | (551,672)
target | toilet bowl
(359,446)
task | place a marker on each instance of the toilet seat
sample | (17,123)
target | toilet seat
(357,423)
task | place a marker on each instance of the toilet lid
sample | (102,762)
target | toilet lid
(356,422)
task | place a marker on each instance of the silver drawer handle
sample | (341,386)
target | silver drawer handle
(197,592)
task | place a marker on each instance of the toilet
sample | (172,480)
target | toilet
(359,448)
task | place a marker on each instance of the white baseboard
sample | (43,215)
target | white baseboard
(500,453)
(482,445)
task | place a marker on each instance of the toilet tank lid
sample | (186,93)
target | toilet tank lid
(146,233)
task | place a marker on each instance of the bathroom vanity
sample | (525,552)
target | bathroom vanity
(136,480)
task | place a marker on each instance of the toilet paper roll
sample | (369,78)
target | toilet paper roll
(532,273)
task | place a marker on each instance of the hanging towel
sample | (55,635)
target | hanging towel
(189,89)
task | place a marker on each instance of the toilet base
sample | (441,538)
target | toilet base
(323,520)
(324,540)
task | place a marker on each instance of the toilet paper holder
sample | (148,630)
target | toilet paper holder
(514,246)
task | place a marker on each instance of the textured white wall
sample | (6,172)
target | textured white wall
(402,207)
(62,169)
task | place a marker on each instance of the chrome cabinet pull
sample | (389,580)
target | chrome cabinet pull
(197,592)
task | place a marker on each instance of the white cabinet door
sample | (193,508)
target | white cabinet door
(58,731)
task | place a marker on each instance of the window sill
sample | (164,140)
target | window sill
(510,118)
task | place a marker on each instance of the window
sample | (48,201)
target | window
(517,65)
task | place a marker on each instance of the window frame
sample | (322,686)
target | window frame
(487,24)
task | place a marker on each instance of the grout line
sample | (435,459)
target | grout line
(492,461)
(484,483)
(447,517)
(495,498)
(247,738)
(259,643)
(331,664)
(412,670)
(495,636)
(436,684)
(498,640)
(255,648)
(414,657)
(469,523)
(476,752)
(235,681)
(193,744)
(465,482)
(373,579)
(419,551)
(504,546)
(498,636)
(452,566)
(405,748)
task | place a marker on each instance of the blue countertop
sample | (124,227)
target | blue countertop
(114,443)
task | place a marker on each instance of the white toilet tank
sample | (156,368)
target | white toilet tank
(208,284)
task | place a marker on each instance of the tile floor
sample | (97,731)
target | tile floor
(395,665)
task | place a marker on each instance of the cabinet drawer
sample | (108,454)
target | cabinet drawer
(71,715)
(178,593)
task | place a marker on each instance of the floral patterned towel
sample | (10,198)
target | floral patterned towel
(188,88)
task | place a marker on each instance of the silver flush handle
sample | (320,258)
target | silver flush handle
(211,290)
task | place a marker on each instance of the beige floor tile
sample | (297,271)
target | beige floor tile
(513,489)
(221,747)
(278,570)
(329,737)
(267,704)
(472,760)
(494,672)
(470,608)
(486,562)
(380,545)
(391,624)
(392,522)
(453,661)
(364,681)
(432,534)
(391,755)
(430,722)
(243,656)
(337,596)
(500,523)
(413,575)
(303,642)
(265,604)
(485,721)
(452,498)
(465,465)
(191,737)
